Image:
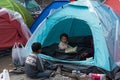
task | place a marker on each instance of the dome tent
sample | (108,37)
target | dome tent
(12,29)
(11,4)
(83,18)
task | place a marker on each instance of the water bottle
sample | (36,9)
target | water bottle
(74,72)
(78,72)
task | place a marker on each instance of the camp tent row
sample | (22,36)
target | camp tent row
(13,26)
(83,18)
(12,5)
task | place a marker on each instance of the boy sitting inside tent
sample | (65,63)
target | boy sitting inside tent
(67,50)
(63,45)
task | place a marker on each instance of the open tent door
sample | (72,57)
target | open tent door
(79,35)
(73,27)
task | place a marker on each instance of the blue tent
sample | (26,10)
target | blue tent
(83,18)
(54,5)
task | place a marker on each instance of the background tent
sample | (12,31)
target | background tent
(99,0)
(65,0)
(31,5)
(114,4)
(12,29)
(83,18)
(10,4)
(54,5)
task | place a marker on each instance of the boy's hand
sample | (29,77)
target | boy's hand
(43,60)
(84,54)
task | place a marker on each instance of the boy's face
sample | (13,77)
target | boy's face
(40,50)
(64,39)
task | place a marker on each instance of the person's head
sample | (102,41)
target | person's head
(64,37)
(36,47)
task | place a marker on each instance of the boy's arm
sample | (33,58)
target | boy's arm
(40,65)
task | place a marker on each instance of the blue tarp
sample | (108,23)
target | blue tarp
(54,5)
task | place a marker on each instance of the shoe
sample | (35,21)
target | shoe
(52,74)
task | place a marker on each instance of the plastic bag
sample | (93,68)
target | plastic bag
(18,54)
(95,76)
(4,75)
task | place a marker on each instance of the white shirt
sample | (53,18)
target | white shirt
(62,45)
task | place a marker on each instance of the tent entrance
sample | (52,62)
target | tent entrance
(72,26)
(79,35)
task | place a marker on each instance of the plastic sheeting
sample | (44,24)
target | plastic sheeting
(12,23)
(16,16)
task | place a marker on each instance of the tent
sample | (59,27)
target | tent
(10,4)
(54,5)
(31,5)
(12,29)
(99,0)
(114,4)
(83,18)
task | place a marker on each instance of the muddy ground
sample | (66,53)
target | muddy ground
(6,62)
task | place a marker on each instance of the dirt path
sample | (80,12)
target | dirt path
(5,62)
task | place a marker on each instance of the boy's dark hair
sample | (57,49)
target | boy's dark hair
(64,34)
(36,46)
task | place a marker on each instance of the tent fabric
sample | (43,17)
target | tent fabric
(65,0)
(114,4)
(83,18)
(12,29)
(54,5)
(10,4)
